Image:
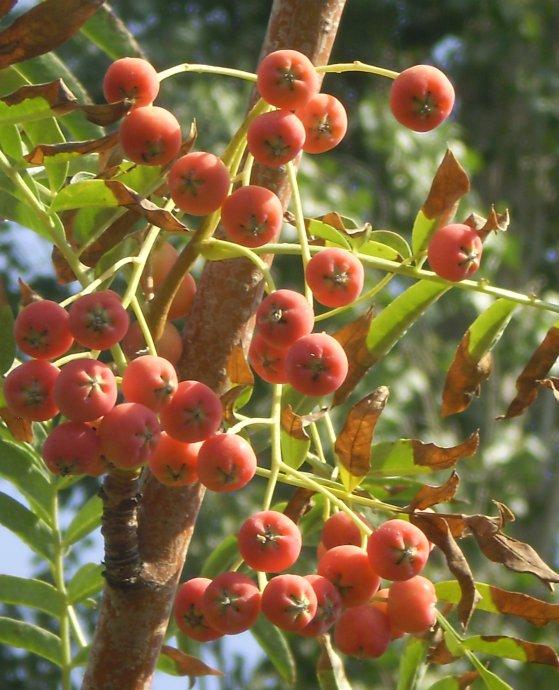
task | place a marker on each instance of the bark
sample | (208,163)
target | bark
(133,617)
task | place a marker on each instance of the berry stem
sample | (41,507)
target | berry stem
(300,224)
(91,287)
(357,66)
(59,581)
(143,324)
(206,69)
(250,421)
(141,260)
(276,459)
(237,251)
(247,170)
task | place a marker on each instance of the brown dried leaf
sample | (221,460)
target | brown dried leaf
(237,368)
(464,378)
(292,424)
(151,212)
(553,384)
(536,369)
(496,222)
(437,530)
(116,232)
(82,148)
(431,455)
(43,28)
(228,401)
(64,273)
(352,337)
(299,504)
(534,610)
(429,496)
(187,665)
(466,679)
(61,100)
(535,653)
(21,429)
(440,654)
(450,183)
(353,445)
(27,294)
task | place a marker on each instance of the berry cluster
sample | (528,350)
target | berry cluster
(343,594)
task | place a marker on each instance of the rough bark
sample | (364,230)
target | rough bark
(133,619)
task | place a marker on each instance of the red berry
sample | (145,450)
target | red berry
(421,98)
(173,462)
(98,320)
(340,529)
(252,216)
(72,448)
(150,381)
(150,135)
(28,390)
(329,606)
(129,434)
(335,277)
(267,361)
(85,390)
(411,605)
(283,317)
(289,601)
(325,121)
(41,330)
(287,79)
(398,550)
(275,138)
(380,602)
(316,364)
(226,462)
(199,183)
(231,603)
(348,568)
(269,541)
(131,78)
(162,259)
(189,616)
(362,631)
(169,346)
(194,413)
(455,251)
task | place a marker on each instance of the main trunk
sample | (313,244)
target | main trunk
(134,613)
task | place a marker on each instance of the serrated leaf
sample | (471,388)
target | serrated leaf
(21,466)
(85,520)
(21,591)
(501,601)
(512,648)
(395,319)
(32,638)
(221,558)
(318,228)
(330,668)
(27,526)
(276,648)
(109,33)
(43,28)
(87,581)
(412,660)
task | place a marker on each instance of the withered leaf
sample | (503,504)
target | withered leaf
(43,28)
(353,445)
(512,553)
(116,232)
(553,384)
(440,654)
(536,369)
(436,457)
(64,273)
(466,679)
(450,183)
(39,153)
(21,429)
(187,665)
(437,530)
(525,651)
(534,610)
(353,338)
(237,368)
(299,504)
(495,222)
(292,424)
(464,378)
(61,100)
(429,496)
(228,400)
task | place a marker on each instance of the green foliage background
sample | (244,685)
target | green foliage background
(503,59)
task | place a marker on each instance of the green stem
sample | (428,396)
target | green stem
(365,297)
(58,576)
(357,67)
(247,170)
(141,260)
(206,69)
(91,287)
(276,461)
(250,421)
(143,324)
(317,443)
(75,623)
(238,250)
(300,224)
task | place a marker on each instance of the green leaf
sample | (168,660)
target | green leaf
(318,228)
(221,558)
(486,330)
(446,683)
(81,657)
(276,648)
(422,230)
(87,581)
(412,664)
(27,526)
(85,194)
(395,319)
(21,466)
(32,638)
(511,648)
(109,33)
(491,681)
(380,250)
(7,342)
(11,141)
(394,240)
(85,520)
(37,594)
(17,211)
(330,668)
(48,132)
